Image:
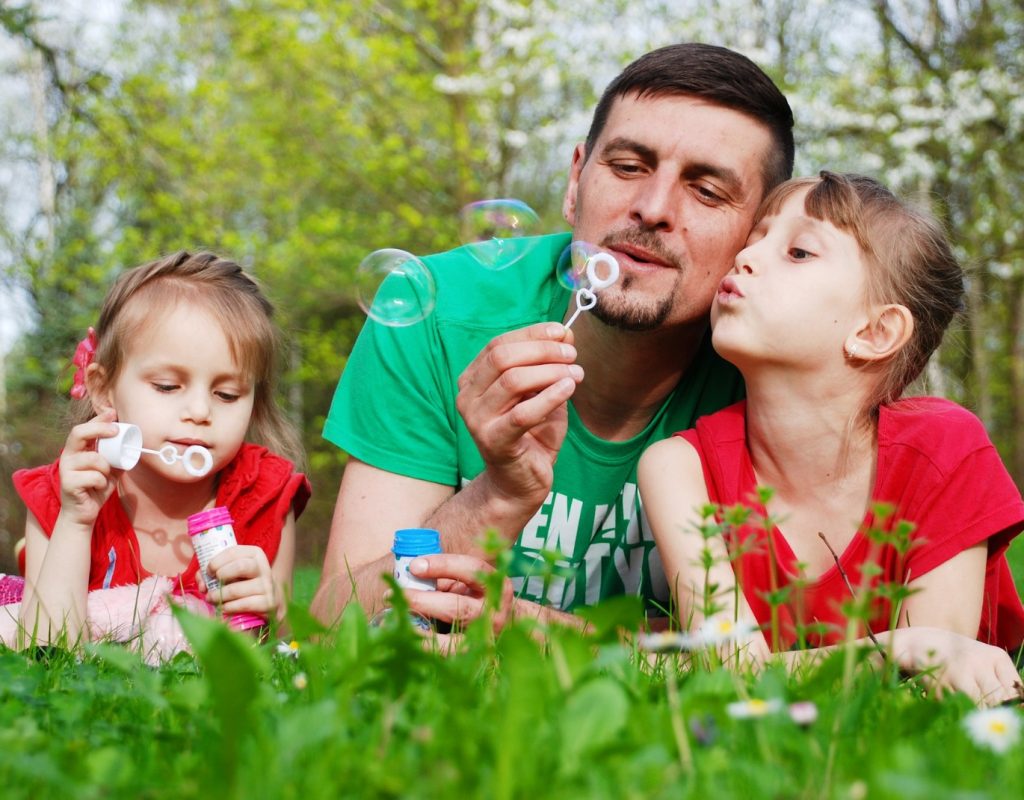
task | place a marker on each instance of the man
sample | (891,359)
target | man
(490,415)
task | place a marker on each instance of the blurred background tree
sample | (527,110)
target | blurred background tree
(297,136)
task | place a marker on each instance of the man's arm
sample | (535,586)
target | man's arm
(513,398)
(372,504)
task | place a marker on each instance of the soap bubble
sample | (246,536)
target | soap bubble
(498,232)
(571,269)
(395,288)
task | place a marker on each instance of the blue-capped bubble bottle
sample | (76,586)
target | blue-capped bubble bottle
(411,543)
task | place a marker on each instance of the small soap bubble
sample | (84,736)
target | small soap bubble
(572,264)
(498,232)
(395,288)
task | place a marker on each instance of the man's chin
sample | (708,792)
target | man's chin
(633,317)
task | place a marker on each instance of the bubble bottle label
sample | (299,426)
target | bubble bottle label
(212,531)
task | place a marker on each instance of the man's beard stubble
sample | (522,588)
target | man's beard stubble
(632,314)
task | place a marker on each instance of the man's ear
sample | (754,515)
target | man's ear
(96,385)
(884,334)
(579,158)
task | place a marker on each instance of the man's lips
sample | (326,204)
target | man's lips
(640,256)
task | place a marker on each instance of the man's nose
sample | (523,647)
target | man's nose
(656,203)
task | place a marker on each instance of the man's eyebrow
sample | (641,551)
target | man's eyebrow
(625,144)
(726,175)
(620,144)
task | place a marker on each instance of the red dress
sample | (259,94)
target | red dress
(258,487)
(936,467)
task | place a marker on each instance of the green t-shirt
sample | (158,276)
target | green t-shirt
(394,409)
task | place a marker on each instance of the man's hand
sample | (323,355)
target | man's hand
(513,397)
(461,597)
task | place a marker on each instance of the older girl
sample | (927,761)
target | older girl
(835,305)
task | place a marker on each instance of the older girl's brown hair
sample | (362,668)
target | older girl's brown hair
(233,297)
(909,259)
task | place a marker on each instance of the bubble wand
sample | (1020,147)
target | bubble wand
(124,450)
(586,296)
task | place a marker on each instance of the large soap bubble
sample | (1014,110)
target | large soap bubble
(395,288)
(585,269)
(498,232)
(582,265)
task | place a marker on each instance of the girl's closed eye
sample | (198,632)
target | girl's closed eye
(164,387)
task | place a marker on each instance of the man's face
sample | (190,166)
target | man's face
(670,189)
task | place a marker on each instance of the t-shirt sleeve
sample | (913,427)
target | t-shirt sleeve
(977,501)
(393,407)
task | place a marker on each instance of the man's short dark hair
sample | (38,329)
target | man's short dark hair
(718,75)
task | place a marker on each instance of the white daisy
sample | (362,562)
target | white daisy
(288,648)
(995,728)
(664,641)
(721,629)
(300,681)
(753,708)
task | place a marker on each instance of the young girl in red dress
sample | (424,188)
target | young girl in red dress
(835,305)
(186,349)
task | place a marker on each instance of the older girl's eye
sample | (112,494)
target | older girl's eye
(227,397)
(164,387)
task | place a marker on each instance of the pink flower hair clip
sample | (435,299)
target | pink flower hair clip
(83,358)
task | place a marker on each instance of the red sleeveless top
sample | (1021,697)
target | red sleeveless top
(258,487)
(936,467)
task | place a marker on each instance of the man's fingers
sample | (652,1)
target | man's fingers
(454,566)
(530,346)
(444,606)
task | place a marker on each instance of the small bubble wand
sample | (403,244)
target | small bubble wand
(124,450)
(586,296)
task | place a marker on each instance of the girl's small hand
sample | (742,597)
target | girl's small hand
(86,479)
(246,581)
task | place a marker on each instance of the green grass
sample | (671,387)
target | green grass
(366,712)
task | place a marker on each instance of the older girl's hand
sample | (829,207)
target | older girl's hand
(948,661)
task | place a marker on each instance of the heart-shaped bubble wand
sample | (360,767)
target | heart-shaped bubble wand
(586,296)
(124,450)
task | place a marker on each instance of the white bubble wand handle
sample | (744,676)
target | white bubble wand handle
(124,450)
(586,297)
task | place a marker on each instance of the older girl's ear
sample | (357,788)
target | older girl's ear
(886,331)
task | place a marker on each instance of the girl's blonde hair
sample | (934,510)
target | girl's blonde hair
(909,258)
(232,296)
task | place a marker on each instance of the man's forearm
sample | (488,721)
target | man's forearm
(465,517)
(363,585)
